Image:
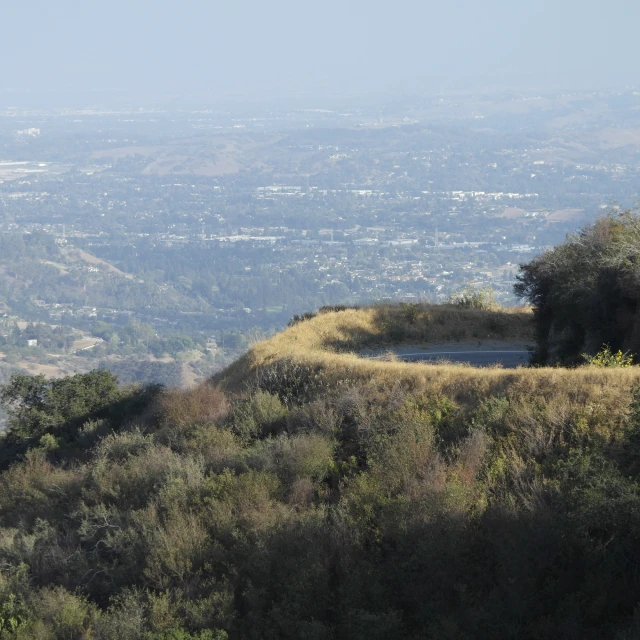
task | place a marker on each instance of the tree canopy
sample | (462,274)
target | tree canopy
(586,291)
(37,405)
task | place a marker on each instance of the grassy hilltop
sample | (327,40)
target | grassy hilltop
(309,493)
(332,341)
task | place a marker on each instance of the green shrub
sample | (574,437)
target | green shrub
(606,358)
(378,509)
(36,405)
(258,415)
(69,616)
(293,382)
(497,325)
(396,332)
(471,298)
(410,311)
(176,546)
(291,458)
(183,410)
(13,615)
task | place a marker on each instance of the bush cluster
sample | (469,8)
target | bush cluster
(606,358)
(473,298)
(309,315)
(354,510)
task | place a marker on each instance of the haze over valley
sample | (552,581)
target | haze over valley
(209,227)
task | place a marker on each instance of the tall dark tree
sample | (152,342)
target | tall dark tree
(586,291)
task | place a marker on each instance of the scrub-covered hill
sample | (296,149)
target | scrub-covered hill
(310,493)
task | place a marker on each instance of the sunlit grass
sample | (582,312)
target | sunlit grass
(320,344)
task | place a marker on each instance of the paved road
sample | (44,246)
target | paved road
(508,359)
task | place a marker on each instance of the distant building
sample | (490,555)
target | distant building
(33,132)
(32,343)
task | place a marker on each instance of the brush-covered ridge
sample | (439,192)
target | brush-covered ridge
(310,493)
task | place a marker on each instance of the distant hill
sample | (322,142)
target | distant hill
(36,274)
(313,149)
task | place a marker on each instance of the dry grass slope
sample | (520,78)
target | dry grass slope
(327,345)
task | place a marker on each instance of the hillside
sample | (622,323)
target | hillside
(64,310)
(307,492)
(40,277)
(334,341)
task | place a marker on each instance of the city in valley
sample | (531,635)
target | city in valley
(159,243)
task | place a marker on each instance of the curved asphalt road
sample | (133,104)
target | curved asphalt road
(508,359)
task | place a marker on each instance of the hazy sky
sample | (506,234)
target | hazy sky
(258,48)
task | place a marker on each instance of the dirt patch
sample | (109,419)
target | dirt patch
(512,213)
(79,254)
(564,215)
(85,343)
(48,370)
(60,267)
(189,376)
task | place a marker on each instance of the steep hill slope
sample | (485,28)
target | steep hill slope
(39,277)
(310,493)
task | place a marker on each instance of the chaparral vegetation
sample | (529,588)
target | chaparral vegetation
(309,493)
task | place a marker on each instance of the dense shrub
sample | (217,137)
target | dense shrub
(292,381)
(309,315)
(361,510)
(182,410)
(258,415)
(471,298)
(37,405)
(411,311)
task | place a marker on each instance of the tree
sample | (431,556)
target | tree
(586,291)
(37,406)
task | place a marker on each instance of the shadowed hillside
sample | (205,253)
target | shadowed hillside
(309,493)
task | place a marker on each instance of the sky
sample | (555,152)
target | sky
(265,49)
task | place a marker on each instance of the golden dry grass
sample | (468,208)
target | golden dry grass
(333,340)
(385,324)
(318,344)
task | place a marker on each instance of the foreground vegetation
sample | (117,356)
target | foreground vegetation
(307,493)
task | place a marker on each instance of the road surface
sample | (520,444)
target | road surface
(478,358)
